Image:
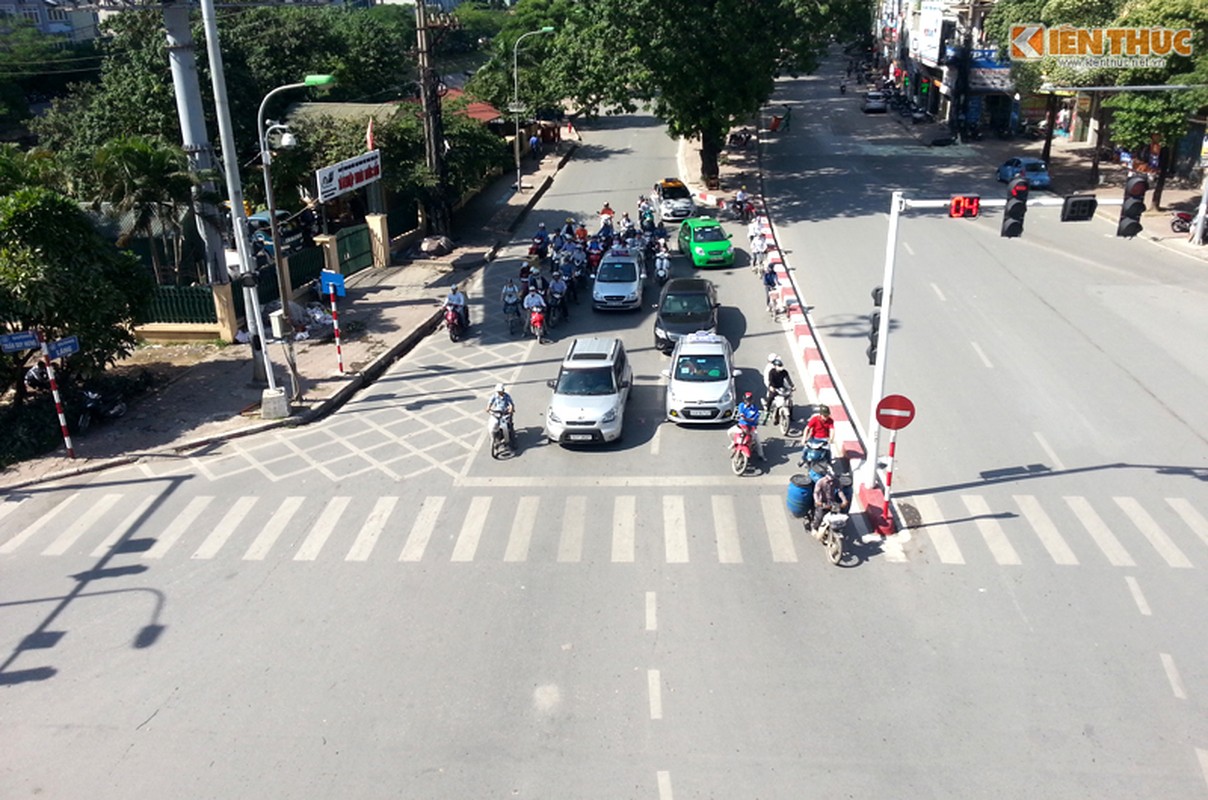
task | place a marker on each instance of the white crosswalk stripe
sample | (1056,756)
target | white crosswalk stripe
(942,540)
(422,529)
(780,535)
(32,528)
(991,531)
(371,531)
(1150,529)
(178,527)
(1117,556)
(471,529)
(1045,529)
(725,529)
(321,531)
(675,529)
(81,524)
(624,522)
(1194,519)
(522,529)
(126,527)
(570,544)
(226,528)
(277,524)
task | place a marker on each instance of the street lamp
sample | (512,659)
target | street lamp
(515,107)
(266,160)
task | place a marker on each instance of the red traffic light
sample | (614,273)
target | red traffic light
(1018,188)
(1136,186)
(1134,206)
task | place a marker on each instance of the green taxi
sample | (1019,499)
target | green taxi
(706,242)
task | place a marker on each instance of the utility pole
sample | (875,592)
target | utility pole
(437,212)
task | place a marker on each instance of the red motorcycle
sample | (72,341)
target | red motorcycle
(537,323)
(741,441)
(453,322)
(593,261)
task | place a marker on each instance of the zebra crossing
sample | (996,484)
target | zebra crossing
(624,528)
(1065,531)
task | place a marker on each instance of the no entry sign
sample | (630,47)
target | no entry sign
(895,411)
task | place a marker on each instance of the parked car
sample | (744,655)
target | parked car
(619,282)
(875,103)
(700,380)
(686,305)
(288,231)
(673,200)
(706,242)
(1035,170)
(590,392)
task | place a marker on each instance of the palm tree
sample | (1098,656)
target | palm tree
(151,178)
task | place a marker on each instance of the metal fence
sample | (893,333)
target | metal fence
(181,304)
(354,245)
(305,266)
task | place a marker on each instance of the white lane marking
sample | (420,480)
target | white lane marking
(277,523)
(80,524)
(780,536)
(225,528)
(991,531)
(941,538)
(595,482)
(652,611)
(655,686)
(421,529)
(127,524)
(9,506)
(1194,519)
(1172,675)
(725,527)
(322,530)
(907,248)
(656,440)
(664,778)
(1117,556)
(177,527)
(1202,755)
(12,544)
(675,529)
(371,531)
(570,545)
(1029,506)
(1150,529)
(624,513)
(471,529)
(981,354)
(939,293)
(1135,589)
(522,529)
(1048,451)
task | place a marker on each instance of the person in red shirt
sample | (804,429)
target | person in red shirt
(819,429)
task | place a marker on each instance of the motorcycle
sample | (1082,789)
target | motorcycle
(816,454)
(98,408)
(557,309)
(453,322)
(593,261)
(781,412)
(512,312)
(742,439)
(662,266)
(1180,221)
(536,323)
(831,534)
(503,437)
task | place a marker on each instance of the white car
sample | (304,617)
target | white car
(700,380)
(875,103)
(590,392)
(619,282)
(673,200)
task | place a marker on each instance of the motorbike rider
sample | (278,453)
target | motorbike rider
(457,301)
(541,241)
(557,288)
(778,378)
(510,296)
(568,229)
(740,200)
(626,224)
(759,249)
(501,403)
(828,496)
(819,431)
(747,416)
(581,233)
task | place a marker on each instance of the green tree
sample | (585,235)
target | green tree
(60,277)
(34,63)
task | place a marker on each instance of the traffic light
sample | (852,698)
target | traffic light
(1079,208)
(875,319)
(1134,206)
(1017,206)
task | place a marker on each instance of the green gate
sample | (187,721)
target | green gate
(354,246)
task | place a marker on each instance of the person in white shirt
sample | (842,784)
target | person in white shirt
(457,299)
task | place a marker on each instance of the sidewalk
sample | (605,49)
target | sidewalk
(385,313)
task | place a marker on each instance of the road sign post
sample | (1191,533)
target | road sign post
(334,282)
(894,412)
(54,388)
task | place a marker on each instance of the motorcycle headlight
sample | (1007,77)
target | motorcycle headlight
(611,416)
(552,417)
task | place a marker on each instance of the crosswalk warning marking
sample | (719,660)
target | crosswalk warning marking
(941,538)
(225,528)
(1151,530)
(272,530)
(570,544)
(422,529)
(1194,519)
(9,506)
(127,526)
(725,528)
(371,531)
(81,523)
(523,524)
(624,518)
(1059,551)
(471,529)
(178,527)
(780,536)
(1117,556)
(995,537)
(675,529)
(321,531)
(32,528)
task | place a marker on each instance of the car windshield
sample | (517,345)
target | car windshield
(686,305)
(875,96)
(710,233)
(1035,166)
(591,381)
(676,192)
(617,272)
(701,368)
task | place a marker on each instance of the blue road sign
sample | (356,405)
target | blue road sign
(64,347)
(327,279)
(16,342)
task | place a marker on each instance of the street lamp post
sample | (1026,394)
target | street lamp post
(515,108)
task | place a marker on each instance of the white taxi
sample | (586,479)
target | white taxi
(700,380)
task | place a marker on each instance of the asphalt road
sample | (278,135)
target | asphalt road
(373,607)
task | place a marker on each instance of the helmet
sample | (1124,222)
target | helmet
(557,274)
(777,363)
(570,219)
(540,224)
(824,410)
(499,387)
(773,358)
(747,396)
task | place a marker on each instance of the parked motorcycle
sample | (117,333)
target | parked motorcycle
(98,409)
(1180,221)
(741,442)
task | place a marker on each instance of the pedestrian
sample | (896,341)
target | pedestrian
(788,118)
(535,146)
(759,249)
